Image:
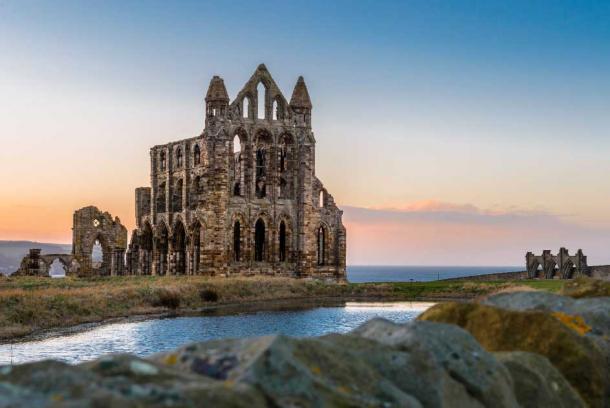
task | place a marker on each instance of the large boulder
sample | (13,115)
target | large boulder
(381,364)
(559,337)
(595,311)
(537,383)
(328,371)
(452,368)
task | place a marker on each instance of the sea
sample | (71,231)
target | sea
(371,273)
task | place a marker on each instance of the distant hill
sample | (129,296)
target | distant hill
(11,252)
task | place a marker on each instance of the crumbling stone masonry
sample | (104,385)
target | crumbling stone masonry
(242,197)
(562,266)
(36,264)
(90,225)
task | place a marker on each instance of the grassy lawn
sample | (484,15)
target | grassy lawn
(28,304)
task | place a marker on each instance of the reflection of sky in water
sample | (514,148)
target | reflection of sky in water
(153,336)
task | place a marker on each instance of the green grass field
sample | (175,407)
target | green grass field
(29,304)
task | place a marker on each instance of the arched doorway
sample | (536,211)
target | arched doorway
(259,241)
(179,249)
(57,269)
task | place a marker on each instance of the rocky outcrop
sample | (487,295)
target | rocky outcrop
(543,324)
(516,350)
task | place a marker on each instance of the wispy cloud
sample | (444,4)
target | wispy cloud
(436,233)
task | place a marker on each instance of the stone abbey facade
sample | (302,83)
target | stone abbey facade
(243,197)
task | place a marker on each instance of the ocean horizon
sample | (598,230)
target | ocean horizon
(415,273)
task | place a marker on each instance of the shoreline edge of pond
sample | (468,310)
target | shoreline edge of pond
(37,308)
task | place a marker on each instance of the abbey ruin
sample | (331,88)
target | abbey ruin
(242,197)
(90,226)
(560,266)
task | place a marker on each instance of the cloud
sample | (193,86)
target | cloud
(436,233)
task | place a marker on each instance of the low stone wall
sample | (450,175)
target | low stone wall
(600,272)
(492,276)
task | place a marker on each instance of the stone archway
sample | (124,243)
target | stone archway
(91,225)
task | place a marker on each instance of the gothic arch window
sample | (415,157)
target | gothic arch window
(259,240)
(177,199)
(238,172)
(261,173)
(198,185)
(261,97)
(283,188)
(196,155)
(321,199)
(162,161)
(161,197)
(178,158)
(246,108)
(236,144)
(275,110)
(321,246)
(237,241)
(179,249)
(282,241)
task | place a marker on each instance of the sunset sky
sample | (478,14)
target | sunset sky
(451,133)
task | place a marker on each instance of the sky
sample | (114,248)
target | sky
(450,133)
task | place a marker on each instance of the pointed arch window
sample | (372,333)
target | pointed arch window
(236,241)
(162,161)
(261,173)
(246,108)
(196,155)
(261,98)
(178,157)
(177,199)
(321,246)
(161,198)
(237,167)
(259,241)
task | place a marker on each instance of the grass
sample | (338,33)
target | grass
(29,304)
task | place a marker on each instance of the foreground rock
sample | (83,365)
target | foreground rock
(537,383)
(381,364)
(557,336)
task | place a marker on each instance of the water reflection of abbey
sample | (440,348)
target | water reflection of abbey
(243,197)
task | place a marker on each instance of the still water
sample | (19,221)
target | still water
(152,336)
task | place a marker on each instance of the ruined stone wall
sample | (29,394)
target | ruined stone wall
(216,210)
(91,225)
(562,266)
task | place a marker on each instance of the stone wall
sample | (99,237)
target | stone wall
(492,276)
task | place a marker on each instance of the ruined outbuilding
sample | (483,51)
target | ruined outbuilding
(560,266)
(90,226)
(243,196)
